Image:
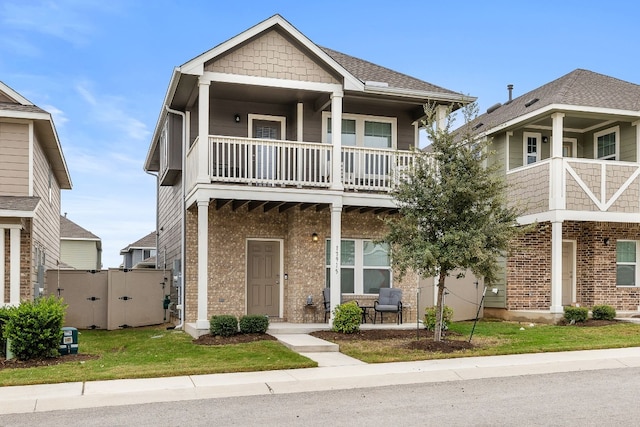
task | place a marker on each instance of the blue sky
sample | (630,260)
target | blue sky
(102,68)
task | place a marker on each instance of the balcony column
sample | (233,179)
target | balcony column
(336,243)
(336,141)
(203,270)
(203,131)
(441,117)
(637,125)
(557,202)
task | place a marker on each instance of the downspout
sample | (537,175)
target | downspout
(183,251)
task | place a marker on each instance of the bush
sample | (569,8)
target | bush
(4,317)
(603,312)
(430,317)
(35,328)
(347,318)
(224,325)
(576,314)
(254,324)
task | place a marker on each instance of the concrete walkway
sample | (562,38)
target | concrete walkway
(335,371)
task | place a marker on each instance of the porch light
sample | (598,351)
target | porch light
(314,237)
(605,241)
(237,118)
(545,139)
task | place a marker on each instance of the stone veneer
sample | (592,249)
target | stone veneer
(529,266)
(304,260)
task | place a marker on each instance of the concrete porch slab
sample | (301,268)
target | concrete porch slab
(303,343)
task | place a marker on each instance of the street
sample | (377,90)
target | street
(599,397)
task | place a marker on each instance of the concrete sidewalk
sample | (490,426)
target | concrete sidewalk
(341,373)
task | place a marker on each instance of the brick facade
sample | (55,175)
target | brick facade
(529,266)
(304,259)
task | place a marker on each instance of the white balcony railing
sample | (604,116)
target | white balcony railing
(296,164)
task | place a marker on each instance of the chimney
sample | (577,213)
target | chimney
(510,89)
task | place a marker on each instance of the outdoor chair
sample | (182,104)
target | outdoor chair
(326,300)
(389,301)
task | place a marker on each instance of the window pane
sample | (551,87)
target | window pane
(626,251)
(348,281)
(374,279)
(607,145)
(377,135)
(348,252)
(348,132)
(626,275)
(375,255)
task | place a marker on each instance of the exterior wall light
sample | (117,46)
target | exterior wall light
(314,237)
(237,118)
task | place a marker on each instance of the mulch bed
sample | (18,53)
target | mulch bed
(209,339)
(48,361)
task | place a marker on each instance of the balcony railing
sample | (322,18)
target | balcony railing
(586,185)
(296,164)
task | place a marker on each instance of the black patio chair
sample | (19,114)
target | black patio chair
(389,301)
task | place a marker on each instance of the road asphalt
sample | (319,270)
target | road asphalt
(335,371)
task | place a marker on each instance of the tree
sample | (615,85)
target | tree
(453,210)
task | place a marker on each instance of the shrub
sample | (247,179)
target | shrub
(4,317)
(576,314)
(254,324)
(35,328)
(430,317)
(224,325)
(347,318)
(603,312)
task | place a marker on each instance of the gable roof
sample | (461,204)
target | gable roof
(22,108)
(147,242)
(72,231)
(579,90)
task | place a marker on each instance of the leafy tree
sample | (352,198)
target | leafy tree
(453,210)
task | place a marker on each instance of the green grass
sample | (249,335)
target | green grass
(492,338)
(156,352)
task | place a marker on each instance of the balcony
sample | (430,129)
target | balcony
(586,186)
(259,162)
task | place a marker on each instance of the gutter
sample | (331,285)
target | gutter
(182,213)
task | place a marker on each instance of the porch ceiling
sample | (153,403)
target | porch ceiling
(579,122)
(281,206)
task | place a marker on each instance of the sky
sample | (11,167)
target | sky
(102,68)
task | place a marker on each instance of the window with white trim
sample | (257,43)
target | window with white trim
(627,263)
(606,143)
(365,266)
(531,147)
(363,131)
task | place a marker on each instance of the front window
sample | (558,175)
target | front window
(626,263)
(363,131)
(531,147)
(365,267)
(606,143)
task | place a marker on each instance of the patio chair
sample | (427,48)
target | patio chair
(389,301)
(326,300)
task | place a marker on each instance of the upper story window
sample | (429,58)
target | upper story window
(626,263)
(606,143)
(363,131)
(531,147)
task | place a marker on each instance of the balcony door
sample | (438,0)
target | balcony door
(266,155)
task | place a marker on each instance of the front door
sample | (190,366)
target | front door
(568,273)
(263,277)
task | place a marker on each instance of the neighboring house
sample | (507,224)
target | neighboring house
(268,148)
(570,151)
(32,173)
(141,253)
(80,249)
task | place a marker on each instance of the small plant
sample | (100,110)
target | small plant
(4,317)
(430,317)
(254,324)
(35,328)
(603,312)
(224,325)
(347,318)
(576,314)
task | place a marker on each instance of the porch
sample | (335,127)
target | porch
(264,162)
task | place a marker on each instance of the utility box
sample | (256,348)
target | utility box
(69,342)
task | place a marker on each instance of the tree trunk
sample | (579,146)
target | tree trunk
(437,331)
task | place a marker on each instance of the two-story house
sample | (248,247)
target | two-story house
(141,253)
(80,249)
(32,173)
(570,151)
(275,158)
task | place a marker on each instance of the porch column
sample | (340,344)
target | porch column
(506,151)
(203,131)
(14,266)
(556,267)
(3,296)
(557,196)
(441,117)
(336,241)
(336,141)
(637,125)
(299,121)
(203,270)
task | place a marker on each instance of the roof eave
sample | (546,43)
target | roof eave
(419,94)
